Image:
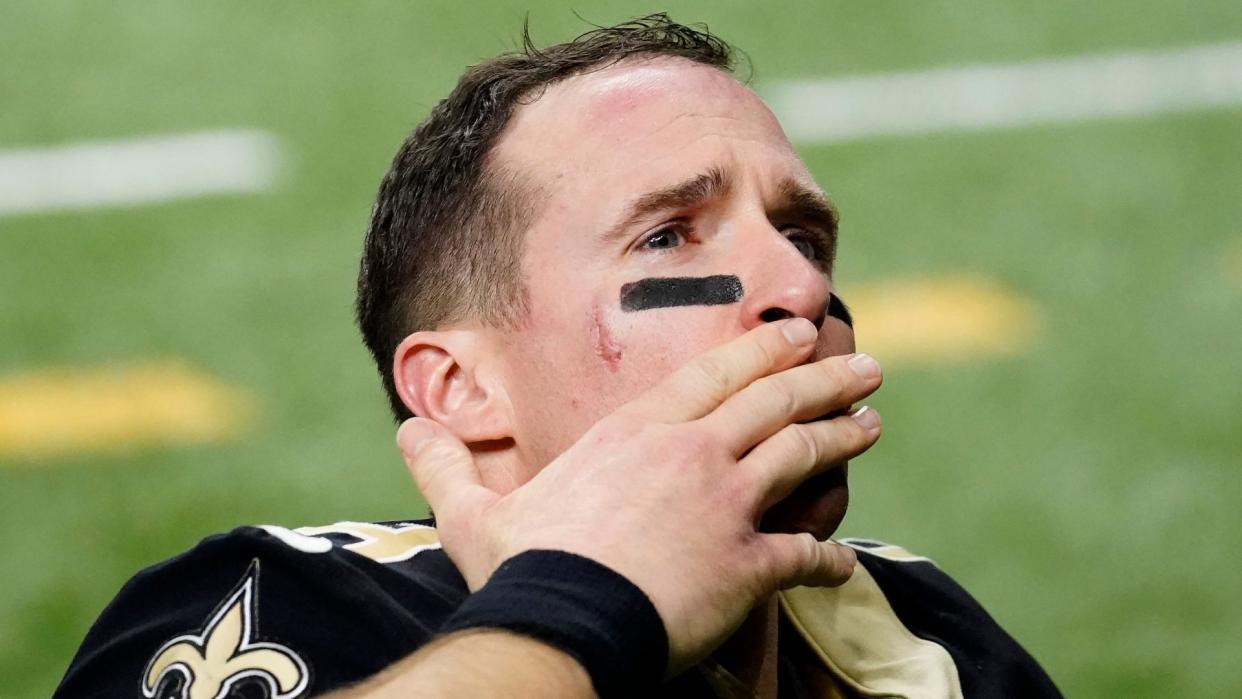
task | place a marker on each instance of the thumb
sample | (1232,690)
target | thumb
(442,467)
(799,559)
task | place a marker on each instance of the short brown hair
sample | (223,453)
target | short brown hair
(446,236)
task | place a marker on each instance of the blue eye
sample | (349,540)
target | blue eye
(663,239)
(806,247)
(807,242)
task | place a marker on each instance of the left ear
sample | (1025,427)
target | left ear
(445,375)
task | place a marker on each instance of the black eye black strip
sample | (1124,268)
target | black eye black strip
(837,309)
(665,292)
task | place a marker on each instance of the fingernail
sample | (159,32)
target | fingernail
(865,365)
(799,331)
(866,418)
(849,558)
(849,555)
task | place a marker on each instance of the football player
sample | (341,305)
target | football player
(601,278)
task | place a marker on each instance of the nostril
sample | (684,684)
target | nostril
(774,314)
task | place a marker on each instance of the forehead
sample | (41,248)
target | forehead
(599,138)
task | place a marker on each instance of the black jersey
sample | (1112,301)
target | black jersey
(279,613)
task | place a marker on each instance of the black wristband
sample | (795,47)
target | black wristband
(580,606)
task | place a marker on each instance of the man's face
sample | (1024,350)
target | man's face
(651,171)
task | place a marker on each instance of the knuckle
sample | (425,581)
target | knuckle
(789,562)
(768,352)
(711,373)
(437,452)
(689,442)
(804,442)
(416,455)
(783,394)
(808,547)
(740,489)
(810,556)
(823,381)
(836,376)
(424,457)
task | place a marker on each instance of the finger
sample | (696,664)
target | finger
(801,560)
(796,395)
(800,451)
(442,467)
(706,381)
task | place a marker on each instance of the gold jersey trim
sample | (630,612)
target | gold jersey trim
(855,632)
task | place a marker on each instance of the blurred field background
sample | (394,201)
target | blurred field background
(1080,477)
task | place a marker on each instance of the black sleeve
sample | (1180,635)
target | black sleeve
(990,663)
(248,615)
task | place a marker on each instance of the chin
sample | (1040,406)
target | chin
(817,506)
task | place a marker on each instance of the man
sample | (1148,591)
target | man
(601,278)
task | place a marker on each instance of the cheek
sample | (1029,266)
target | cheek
(603,342)
(650,345)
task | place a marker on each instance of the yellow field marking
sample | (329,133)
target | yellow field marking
(1235,263)
(939,319)
(73,410)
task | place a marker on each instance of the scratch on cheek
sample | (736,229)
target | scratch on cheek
(607,349)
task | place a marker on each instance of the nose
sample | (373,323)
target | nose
(779,282)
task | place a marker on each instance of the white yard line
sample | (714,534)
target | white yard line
(977,97)
(136,171)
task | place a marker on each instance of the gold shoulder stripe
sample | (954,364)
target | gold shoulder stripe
(225,653)
(890,551)
(380,542)
(856,633)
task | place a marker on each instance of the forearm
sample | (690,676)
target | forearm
(546,624)
(479,663)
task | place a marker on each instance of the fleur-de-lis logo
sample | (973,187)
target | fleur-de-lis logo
(224,654)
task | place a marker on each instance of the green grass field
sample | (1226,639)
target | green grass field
(1085,490)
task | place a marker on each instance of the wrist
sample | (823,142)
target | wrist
(580,607)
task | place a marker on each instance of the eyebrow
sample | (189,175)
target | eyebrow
(688,193)
(806,204)
(797,201)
